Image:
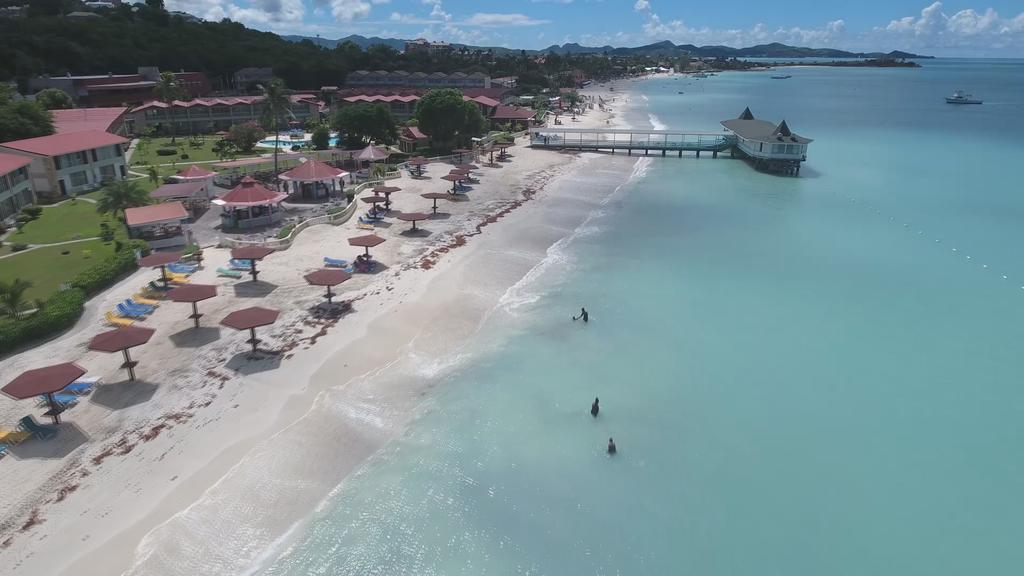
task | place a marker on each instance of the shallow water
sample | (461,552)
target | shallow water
(803,375)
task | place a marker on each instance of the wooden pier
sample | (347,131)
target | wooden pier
(664,141)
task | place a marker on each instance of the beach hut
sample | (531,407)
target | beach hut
(160,260)
(121,340)
(250,205)
(160,225)
(327,277)
(250,319)
(193,293)
(252,254)
(45,382)
(314,180)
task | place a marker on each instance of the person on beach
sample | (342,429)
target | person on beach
(583,315)
(595,408)
(611,446)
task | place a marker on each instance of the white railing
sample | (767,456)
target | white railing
(286,242)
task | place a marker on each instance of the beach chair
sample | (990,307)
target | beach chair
(363,226)
(152,294)
(156,287)
(335,262)
(236,264)
(13,437)
(127,313)
(178,268)
(229,273)
(179,280)
(41,431)
(115,320)
(65,400)
(80,388)
(3,450)
(139,299)
(133,305)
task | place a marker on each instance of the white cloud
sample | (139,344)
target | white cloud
(258,11)
(967,30)
(642,5)
(490,19)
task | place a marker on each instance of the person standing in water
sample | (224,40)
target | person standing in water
(611,446)
(583,315)
(595,408)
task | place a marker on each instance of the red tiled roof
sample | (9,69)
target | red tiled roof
(313,171)
(224,101)
(414,132)
(182,190)
(155,213)
(86,119)
(513,113)
(58,144)
(194,171)
(11,162)
(249,193)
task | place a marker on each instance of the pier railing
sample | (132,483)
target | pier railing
(629,140)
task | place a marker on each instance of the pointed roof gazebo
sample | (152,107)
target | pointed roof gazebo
(194,172)
(747,114)
(371,154)
(249,205)
(314,179)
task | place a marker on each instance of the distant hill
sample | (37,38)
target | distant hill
(664,48)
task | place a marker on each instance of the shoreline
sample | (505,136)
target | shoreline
(152,469)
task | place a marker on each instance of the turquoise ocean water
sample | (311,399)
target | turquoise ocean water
(814,375)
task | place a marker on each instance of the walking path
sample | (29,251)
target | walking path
(32,247)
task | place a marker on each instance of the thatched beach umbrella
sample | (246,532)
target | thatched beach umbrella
(160,260)
(366,241)
(45,382)
(327,277)
(193,293)
(250,319)
(252,254)
(413,217)
(435,196)
(121,340)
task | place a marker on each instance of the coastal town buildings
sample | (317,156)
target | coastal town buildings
(15,187)
(62,165)
(424,46)
(119,89)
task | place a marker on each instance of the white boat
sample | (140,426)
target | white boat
(959,97)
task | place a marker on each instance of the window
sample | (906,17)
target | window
(106,153)
(778,148)
(18,176)
(78,179)
(4,186)
(107,173)
(221,110)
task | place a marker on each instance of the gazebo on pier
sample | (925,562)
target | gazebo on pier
(250,205)
(314,180)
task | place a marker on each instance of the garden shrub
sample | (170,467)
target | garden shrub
(166,151)
(285,231)
(18,247)
(58,313)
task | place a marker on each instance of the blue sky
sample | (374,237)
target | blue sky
(949,28)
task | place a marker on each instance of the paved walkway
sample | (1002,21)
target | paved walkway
(32,247)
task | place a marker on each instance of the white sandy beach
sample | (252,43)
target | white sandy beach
(210,457)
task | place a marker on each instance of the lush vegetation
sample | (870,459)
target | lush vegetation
(21,118)
(55,314)
(187,150)
(448,119)
(121,195)
(361,123)
(245,136)
(68,221)
(321,137)
(50,266)
(54,99)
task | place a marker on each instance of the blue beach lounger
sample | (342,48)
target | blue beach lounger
(41,431)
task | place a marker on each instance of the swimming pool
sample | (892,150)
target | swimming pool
(287,143)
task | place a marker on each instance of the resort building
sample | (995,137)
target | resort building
(410,139)
(91,119)
(401,79)
(517,118)
(119,89)
(205,115)
(403,107)
(160,225)
(67,164)
(771,147)
(15,188)
(250,77)
(424,46)
(250,205)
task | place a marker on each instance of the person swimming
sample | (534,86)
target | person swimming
(611,446)
(595,408)
(583,315)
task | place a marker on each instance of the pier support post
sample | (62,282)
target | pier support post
(680,152)
(714,153)
(662,153)
(698,153)
(646,151)
(629,151)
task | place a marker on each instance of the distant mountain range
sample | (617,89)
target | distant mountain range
(664,48)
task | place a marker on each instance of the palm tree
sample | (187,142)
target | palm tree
(167,91)
(12,296)
(120,195)
(154,174)
(276,107)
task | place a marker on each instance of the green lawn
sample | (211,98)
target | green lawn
(47,268)
(145,151)
(67,221)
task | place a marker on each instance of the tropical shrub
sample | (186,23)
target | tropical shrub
(59,312)
(166,151)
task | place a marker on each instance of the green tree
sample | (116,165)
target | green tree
(119,196)
(362,123)
(245,136)
(54,99)
(154,174)
(23,119)
(277,107)
(12,296)
(225,149)
(168,90)
(447,119)
(321,138)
